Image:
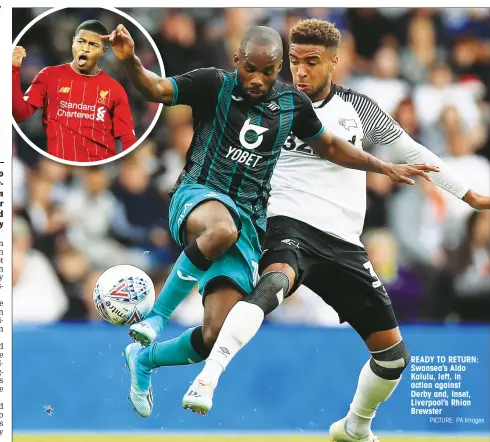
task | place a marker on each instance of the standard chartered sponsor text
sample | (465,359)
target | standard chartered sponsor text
(65,110)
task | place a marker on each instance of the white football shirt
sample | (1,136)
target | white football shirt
(322,194)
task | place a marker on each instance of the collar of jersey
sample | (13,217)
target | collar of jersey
(330,95)
(83,75)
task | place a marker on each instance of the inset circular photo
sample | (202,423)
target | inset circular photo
(71,99)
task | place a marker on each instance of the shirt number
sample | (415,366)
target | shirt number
(377,282)
(301,147)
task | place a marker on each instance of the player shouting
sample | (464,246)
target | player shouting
(84,110)
(315,219)
(218,208)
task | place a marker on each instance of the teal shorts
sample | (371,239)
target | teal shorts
(240,263)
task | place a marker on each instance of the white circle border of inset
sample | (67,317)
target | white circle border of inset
(150,127)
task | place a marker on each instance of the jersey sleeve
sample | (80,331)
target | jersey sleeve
(25,105)
(196,88)
(122,120)
(36,92)
(306,125)
(377,125)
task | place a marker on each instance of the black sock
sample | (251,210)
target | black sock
(197,342)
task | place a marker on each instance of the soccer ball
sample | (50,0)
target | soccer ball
(124,295)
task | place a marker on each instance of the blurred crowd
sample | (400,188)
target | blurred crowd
(430,69)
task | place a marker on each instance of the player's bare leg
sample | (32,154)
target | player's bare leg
(210,232)
(242,323)
(378,379)
(217,305)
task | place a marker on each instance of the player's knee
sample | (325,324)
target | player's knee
(390,363)
(222,235)
(283,268)
(270,291)
(210,334)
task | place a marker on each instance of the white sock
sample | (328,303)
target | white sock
(211,372)
(241,325)
(371,391)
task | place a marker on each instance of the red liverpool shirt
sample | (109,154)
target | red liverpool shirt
(82,114)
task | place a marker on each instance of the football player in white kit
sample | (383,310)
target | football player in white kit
(315,218)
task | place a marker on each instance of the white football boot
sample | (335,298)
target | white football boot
(199,397)
(338,433)
(143,333)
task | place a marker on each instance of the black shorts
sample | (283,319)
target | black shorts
(336,270)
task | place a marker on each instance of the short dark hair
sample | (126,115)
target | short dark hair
(263,35)
(92,26)
(315,32)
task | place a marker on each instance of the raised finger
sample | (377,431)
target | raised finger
(426,167)
(112,36)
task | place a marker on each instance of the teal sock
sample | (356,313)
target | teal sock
(178,351)
(183,277)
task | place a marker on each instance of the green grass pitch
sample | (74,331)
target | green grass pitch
(231,438)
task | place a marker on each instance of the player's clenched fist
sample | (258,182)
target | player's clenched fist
(18,56)
(121,42)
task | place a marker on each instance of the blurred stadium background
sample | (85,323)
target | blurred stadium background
(429,68)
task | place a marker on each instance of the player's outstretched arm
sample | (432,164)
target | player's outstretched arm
(384,130)
(150,85)
(21,109)
(341,152)
(412,152)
